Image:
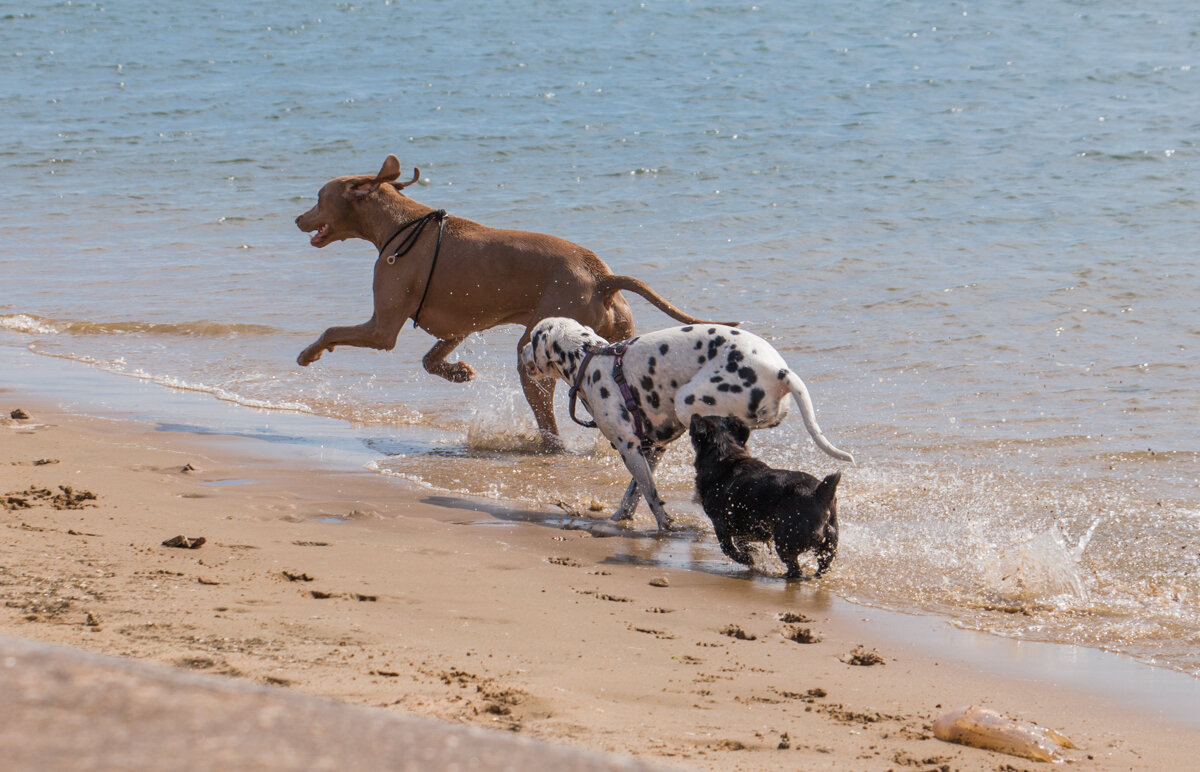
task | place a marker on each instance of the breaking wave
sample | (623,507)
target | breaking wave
(35,325)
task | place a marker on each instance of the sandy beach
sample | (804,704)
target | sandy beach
(351,586)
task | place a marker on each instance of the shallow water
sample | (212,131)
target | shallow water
(969,228)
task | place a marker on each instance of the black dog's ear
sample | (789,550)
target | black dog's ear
(740,430)
(827,490)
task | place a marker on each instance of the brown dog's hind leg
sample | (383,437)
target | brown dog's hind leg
(540,396)
(539,393)
(436,364)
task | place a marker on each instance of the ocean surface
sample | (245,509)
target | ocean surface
(970,227)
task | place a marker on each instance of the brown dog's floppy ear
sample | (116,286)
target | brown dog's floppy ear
(403,185)
(390,169)
(387,173)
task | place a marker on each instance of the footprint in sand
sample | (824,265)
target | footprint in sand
(861,657)
(801,635)
(660,634)
(733,631)
(36,462)
(603,596)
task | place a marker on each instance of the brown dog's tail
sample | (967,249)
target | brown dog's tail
(607,285)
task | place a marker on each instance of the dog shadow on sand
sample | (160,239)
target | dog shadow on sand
(688,547)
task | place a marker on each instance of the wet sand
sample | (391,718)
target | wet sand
(347,585)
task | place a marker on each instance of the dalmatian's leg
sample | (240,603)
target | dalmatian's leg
(629,502)
(632,496)
(643,477)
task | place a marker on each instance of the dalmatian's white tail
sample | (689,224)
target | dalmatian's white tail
(800,393)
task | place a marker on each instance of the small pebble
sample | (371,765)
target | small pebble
(184,542)
(660,581)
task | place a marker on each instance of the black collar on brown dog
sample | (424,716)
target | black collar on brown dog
(417,227)
(617,352)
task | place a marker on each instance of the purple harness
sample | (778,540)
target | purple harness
(617,352)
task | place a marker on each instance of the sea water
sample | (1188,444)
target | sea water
(970,227)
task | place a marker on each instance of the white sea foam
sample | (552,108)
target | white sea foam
(27,324)
(221,393)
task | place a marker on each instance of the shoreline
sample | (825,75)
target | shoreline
(434,605)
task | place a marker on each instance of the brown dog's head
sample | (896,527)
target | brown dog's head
(337,215)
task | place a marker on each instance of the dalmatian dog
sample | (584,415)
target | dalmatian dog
(665,378)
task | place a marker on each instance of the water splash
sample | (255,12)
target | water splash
(502,422)
(1044,568)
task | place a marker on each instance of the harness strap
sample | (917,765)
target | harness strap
(574,392)
(415,228)
(617,352)
(437,249)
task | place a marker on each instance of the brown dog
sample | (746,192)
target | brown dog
(481,277)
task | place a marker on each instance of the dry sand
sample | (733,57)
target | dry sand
(351,586)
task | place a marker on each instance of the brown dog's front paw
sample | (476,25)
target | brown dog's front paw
(460,372)
(309,355)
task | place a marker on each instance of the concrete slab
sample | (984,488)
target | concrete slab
(65,709)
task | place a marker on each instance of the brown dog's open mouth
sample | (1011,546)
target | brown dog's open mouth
(318,237)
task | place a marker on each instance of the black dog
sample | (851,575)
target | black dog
(749,501)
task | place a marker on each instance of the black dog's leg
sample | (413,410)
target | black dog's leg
(825,555)
(790,542)
(735,549)
(792,564)
(827,547)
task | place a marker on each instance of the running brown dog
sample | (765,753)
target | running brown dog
(453,277)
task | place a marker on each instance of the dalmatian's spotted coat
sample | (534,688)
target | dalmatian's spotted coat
(673,374)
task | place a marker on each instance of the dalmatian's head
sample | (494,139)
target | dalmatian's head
(556,346)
